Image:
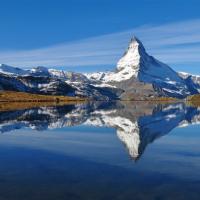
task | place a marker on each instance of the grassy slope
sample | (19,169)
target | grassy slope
(10,96)
(195,97)
(194,100)
(19,100)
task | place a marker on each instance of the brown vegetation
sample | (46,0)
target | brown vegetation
(167,99)
(10,96)
(193,100)
(153,99)
(19,100)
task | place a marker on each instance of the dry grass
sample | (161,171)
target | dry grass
(194,100)
(19,100)
(155,100)
(10,100)
(164,99)
(10,96)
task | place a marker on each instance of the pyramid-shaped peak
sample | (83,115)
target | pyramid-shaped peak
(135,42)
(132,56)
(135,39)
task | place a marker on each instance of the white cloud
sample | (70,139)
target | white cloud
(172,43)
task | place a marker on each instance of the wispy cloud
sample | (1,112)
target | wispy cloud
(173,43)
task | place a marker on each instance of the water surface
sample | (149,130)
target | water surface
(100,150)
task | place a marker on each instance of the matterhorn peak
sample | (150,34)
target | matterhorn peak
(135,42)
(131,58)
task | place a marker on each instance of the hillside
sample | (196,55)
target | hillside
(11,96)
(194,100)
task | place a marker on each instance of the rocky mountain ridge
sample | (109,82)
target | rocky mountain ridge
(138,76)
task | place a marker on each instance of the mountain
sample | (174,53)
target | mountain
(138,76)
(193,81)
(9,70)
(36,85)
(136,69)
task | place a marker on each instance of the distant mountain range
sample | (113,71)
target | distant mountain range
(138,76)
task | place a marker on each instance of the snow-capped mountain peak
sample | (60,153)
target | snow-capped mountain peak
(132,56)
(137,73)
(193,81)
(9,70)
(136,65)
(39,71)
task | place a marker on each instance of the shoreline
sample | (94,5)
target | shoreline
(12,97)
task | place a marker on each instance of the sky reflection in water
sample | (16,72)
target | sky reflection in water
(101,151)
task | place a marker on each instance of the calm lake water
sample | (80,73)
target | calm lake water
(100,150)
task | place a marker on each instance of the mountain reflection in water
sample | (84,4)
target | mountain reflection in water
(136,124)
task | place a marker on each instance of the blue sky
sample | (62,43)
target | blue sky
(91,35)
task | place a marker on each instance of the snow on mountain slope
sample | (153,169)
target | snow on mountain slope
(39,71)
(185,75)
(127,67)
(43,71)
(193,81)
(136,73)
(137,64)
(6,69)
(96,76)
(57,73)
(60,74)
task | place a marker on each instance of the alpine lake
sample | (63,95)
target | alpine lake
(100,151)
